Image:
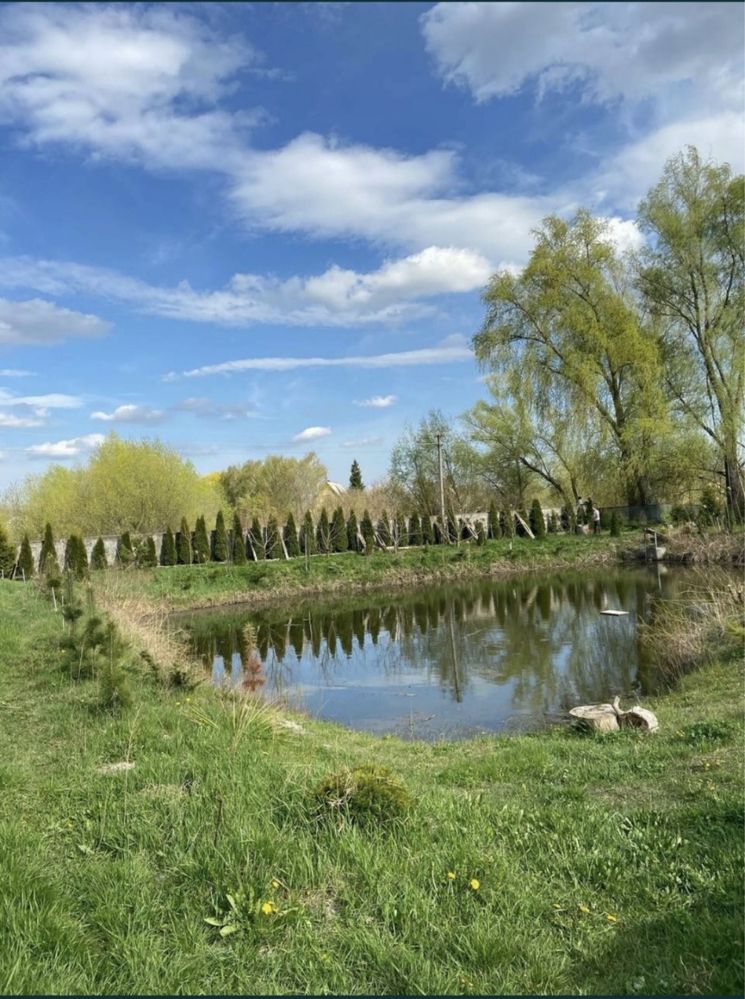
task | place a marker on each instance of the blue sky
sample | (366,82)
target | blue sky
(256,228)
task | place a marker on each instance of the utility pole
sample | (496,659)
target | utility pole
(438,438)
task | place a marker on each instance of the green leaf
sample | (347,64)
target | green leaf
(212,921)
(227,930)
(232,903)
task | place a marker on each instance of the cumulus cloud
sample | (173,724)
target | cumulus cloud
(378,401)
(66,449)
(38,322)
(337,297)
(130,414)
(619,50)
(127,81)
(312,434)
(442,354)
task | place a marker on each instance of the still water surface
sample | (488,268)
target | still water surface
(445,661)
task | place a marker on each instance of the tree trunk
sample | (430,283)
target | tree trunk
(734,484)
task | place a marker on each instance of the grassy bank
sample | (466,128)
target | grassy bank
(261,583)
(580,865)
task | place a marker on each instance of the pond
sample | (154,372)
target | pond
(445,661)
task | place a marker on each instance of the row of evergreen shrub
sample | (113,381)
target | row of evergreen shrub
(329,535)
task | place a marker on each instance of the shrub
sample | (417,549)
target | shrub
(368,532)
(367,795)
(353,531)
(256,536)
(98,555)
(480,533)
(183,544)
(339,540)
(145,555)
(168,548)
(615,527)
(274,547)
(507,523)
(220,546)
(292,543)
(415,530)
(48,555)
(201,542)
(308,535)
(493,526)
(7,554)
(402,534)
(323,533)
(536,519)
(26,559)
(239,542)
(124,552)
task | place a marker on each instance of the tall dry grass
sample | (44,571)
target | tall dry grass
(683,633)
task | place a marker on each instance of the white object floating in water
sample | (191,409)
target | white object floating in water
(614,613)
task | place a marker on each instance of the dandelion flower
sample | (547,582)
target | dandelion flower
(275,883)
(451,875)
(583,908)
(474,884)
(268,908)
(611,918)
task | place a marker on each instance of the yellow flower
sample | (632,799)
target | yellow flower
(473,883)
(451,875)
(583,908)
(268,908)
(611,918)
(275,883)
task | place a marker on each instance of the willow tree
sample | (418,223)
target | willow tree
(693,279)
(568,329)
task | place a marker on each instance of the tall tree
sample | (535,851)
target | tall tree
(26,558)
(239,542)
(292,543)
(339,541)
(693,279)
(168,548)
(355,476)
(220,545)
(568,329)
(183,544)
(536,519)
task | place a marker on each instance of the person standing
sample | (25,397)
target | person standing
(595,520)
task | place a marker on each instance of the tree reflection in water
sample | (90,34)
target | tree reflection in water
(542,643)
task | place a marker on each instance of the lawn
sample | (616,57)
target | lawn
(579,864)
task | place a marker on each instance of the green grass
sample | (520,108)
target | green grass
(264,582)
(106,881)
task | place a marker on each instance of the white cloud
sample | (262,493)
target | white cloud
(125,81)
(37,322)
(66,449)
(52,400)
(337,297)
(12,420)
(323,188)
(378,401)
(130,414)
(626,177)
(312,434)
(612,50)
(404,358)
(15,373)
